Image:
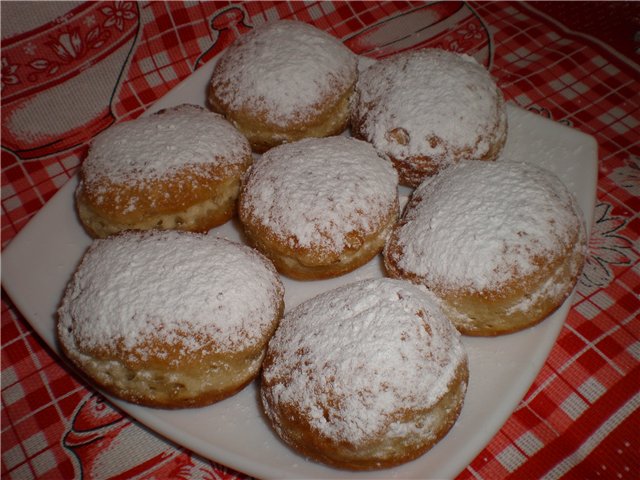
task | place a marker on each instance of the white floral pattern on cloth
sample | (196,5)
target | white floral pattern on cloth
(628,177)
(607,247)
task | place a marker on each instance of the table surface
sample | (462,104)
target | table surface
(69,70)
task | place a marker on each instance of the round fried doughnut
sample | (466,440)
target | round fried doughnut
(284,81)
(168,318)
(427,109)
(501,243)
(319,207)
(366,376)
(179,169)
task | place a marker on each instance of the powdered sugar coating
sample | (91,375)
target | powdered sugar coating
(202,293)
(477,225)
(283,70)
(157,146)
(430,93)
(316,191)
(353,358)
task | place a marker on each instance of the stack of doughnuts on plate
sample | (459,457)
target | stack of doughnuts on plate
(363,376)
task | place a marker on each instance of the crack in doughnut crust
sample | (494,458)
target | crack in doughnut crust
(502,244)
(319,208)
(170,319)
(366,376)
(284,81)
(428,109)
(177,169)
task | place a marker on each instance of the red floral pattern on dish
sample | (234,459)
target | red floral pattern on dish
(65,47)
(607,248)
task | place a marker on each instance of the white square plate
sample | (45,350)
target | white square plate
(41,259)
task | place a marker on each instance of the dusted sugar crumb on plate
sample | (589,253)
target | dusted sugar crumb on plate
(170,319)
(502,244)
(284,81)
(180,168)
(365,376)
(319,207)
(427,109)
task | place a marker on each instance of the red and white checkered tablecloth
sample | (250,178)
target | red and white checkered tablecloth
(69,70)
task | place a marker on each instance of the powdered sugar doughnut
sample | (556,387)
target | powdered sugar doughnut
(170,319)
(284,81)
(178,169)
(427,109)
(501,243)
(369,375)
(319,207)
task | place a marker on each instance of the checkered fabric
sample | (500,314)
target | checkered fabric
(580,417)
